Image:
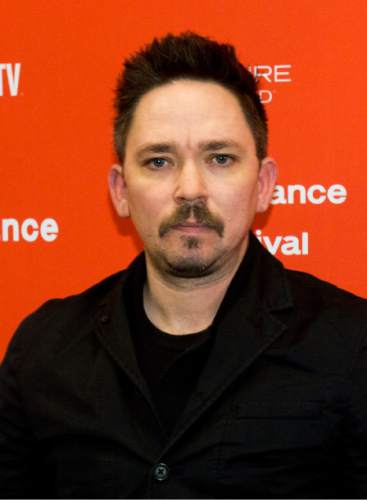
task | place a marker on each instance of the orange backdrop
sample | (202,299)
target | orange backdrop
(58,64)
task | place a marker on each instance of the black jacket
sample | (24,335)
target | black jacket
(279,410)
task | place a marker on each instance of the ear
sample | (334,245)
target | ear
(118,190)
(266,182)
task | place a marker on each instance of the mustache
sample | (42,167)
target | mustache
(200,213)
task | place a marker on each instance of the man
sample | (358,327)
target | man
(205,369)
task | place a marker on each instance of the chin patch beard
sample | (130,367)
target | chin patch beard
(179,265)
(191,242)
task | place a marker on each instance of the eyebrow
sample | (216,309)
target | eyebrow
(216,145)
(156,147)
(166,147)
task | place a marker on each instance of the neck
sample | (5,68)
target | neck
(181,305)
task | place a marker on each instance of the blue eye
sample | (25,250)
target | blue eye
(222,159)
(157,162)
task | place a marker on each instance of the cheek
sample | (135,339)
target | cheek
(239,204)
(146,207)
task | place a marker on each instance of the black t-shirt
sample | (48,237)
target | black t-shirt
(170,364)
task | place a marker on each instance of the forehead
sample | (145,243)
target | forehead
(188,113)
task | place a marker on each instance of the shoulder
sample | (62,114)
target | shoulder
(320,318)
(62,317)
(315,292)
(305,294)
(329,308)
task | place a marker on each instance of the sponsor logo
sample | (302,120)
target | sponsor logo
(287,245)
(315,194)
(270,74)
(9,79)
(13,230)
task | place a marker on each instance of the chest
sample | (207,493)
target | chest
(274,425)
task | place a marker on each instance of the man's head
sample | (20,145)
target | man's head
(187,56)
(193,169)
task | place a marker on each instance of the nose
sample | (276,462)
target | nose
(191,183)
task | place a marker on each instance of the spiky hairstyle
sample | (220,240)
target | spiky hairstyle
(186,56)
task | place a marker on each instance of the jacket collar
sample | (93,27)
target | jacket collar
(260,283)
(114,331)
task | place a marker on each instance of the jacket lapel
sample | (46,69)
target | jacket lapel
(113,331)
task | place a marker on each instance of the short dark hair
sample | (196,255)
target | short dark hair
(186,56)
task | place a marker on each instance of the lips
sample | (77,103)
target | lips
(190,227)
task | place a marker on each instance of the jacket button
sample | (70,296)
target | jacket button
(161,472)
(104,319)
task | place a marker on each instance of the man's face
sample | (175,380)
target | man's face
(191,180)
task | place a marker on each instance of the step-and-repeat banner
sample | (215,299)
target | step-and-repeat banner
(58,65)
